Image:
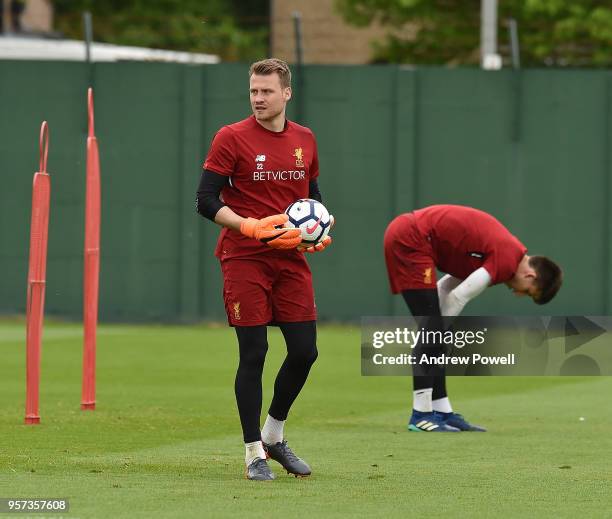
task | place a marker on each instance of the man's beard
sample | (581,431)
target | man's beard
(267,116)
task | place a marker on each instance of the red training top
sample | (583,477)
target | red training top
(464,239)
(268,171)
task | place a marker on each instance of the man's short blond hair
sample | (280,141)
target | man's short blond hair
(265,67)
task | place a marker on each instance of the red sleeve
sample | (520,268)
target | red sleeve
(490,265)
(314,166)
(502,266)
(221,156)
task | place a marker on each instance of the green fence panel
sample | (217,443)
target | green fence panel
(31,92)
(346,110)
(139,124)
(532,147)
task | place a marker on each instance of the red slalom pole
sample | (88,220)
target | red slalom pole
(37,271)
(91,268)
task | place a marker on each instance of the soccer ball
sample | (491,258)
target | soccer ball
(311,218)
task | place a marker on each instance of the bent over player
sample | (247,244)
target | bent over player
(475,251)
(254,169)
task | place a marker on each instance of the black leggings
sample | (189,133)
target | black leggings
(425,302)
(301,340)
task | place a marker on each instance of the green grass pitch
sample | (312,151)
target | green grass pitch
(165,439)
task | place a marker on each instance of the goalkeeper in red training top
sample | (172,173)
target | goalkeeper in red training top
(254,169)
(475,251)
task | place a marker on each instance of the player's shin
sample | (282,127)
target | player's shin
(253,345)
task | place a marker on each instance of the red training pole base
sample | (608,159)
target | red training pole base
(91,406)
(32,420)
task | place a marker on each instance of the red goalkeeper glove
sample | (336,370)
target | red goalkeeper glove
(269,230)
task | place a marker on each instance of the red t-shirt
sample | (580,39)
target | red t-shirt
(268,171)
(464,239)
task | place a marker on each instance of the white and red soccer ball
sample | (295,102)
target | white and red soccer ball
(312,218)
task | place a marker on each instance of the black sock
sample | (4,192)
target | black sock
(253,346)
(425,302)
(301,339)
(439,388)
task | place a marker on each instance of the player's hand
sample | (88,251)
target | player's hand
(318,247)
(270,231)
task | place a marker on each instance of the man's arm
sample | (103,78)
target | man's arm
(314,192)
(454,294)
(228,218)
(445,286)
(268,230)
(210,206)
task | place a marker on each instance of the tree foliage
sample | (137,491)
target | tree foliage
(224,27)
(551,32)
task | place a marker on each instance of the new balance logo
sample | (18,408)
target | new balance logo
(260,158)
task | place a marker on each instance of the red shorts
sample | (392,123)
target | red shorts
(409,256)
(268,288)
